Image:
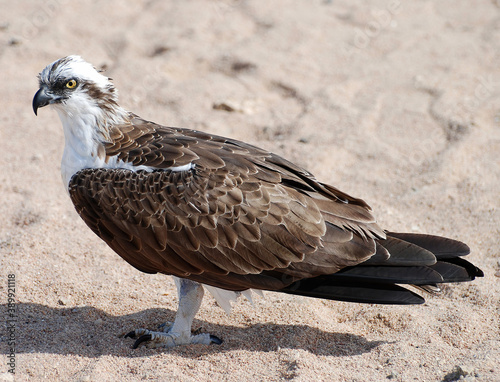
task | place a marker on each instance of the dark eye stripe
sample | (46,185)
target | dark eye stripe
(60,84)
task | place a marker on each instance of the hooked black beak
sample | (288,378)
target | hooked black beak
(42,98)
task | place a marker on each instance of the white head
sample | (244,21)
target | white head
(79,93)
(86,102)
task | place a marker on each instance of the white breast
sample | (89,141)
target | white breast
(81,150)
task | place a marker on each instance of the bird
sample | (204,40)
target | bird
(224,215)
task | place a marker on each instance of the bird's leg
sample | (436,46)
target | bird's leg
(179,333)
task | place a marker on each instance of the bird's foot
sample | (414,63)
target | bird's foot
(168,338)
(178,333)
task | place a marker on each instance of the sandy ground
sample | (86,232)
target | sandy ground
(397,103)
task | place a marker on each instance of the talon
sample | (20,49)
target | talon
(130,334)
(140,340)
(216,340)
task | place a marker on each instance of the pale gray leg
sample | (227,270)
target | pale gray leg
(179,333)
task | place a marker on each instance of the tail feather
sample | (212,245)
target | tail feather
(329,288)
(402,253)
(423,261)
(390,274)
(441,247)
(459,263)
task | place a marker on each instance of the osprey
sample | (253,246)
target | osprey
(223,214)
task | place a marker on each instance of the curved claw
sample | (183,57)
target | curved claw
(216,340)
(130,334)
(140,340)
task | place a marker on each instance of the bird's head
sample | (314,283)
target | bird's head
(78,91)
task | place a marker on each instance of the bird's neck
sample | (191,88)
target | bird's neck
(85,132)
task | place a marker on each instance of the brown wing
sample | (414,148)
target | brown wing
(241,218)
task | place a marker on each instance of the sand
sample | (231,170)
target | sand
(397,103)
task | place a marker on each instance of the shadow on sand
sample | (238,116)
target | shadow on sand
(90,332)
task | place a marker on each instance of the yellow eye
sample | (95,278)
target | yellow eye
(71,84)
